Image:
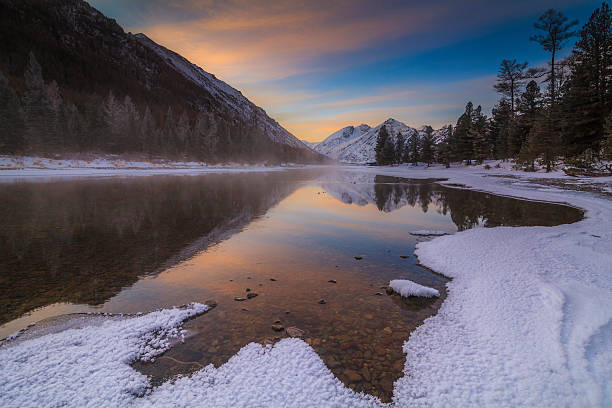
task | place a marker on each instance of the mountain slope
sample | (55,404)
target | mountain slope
(357,144)
(83,84)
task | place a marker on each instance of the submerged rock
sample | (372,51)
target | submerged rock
(359,258)
(332,281)
(322,302)
(404,256)
(295,332)
(273,280)
(239,299)
(251,295)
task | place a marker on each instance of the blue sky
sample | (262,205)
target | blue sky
(318,66)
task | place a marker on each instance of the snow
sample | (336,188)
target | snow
(88,366)
(408,288)
(427,233)
(19,167)
(527,322)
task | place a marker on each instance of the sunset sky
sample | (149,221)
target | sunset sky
(317,66)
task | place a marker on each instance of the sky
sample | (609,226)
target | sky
(317,66)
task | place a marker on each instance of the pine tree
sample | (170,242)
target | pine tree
(399,148)
(557,30)
(478,134)
(381,141)
(607,144)
(427,146)
(501,122)
(34,103)
(589,91)
(389,152)
(510,79)
(414,146)
(464,136)
(11,119)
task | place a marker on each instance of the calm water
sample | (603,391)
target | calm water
(127,245)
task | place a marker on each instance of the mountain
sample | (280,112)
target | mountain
(71,80)
(356,144)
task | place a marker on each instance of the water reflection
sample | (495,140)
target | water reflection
(134,245)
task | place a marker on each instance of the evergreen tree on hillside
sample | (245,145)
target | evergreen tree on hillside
(444,148)
(510,79)
(381,140)
(399,148)
(588,98)
(427,146)
(11,119)
(529,107)
(413,148)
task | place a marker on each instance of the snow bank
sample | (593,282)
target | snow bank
(528,316)
(289,374)
(428,233)
(408,288)
(88,366)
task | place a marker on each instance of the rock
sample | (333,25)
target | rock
(277,321)
(365,373)
(251,295)
(287,312)
(388,330)
(378,294)
(322,302)
(359,258)
(278,327)
(244,309)
(332,281)
(404,256)
(248,289)
(295,332)
(239,299)
(389,290)
(248,277)
(273,280)
(352,375)
(231,280)
(210,303)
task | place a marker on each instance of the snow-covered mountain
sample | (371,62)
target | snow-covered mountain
(357,144)
(233,98)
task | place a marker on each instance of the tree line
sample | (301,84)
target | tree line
(560,111)
(39,119)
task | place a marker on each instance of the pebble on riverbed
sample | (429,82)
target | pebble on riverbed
(359,258)
(273,280)
(332,281)
(239,299)
(295,332)
(278,327)
(251,295)
(322,302)
(404,256)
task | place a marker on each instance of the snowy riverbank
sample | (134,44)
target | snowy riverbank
(527,322)
(29,167)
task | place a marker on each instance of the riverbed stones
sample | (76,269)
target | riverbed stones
(251,295)
(295,332)
(278,327)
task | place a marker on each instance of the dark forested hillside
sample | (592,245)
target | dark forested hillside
(72,81)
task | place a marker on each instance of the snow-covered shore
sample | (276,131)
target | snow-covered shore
(527,322)
(29,167)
